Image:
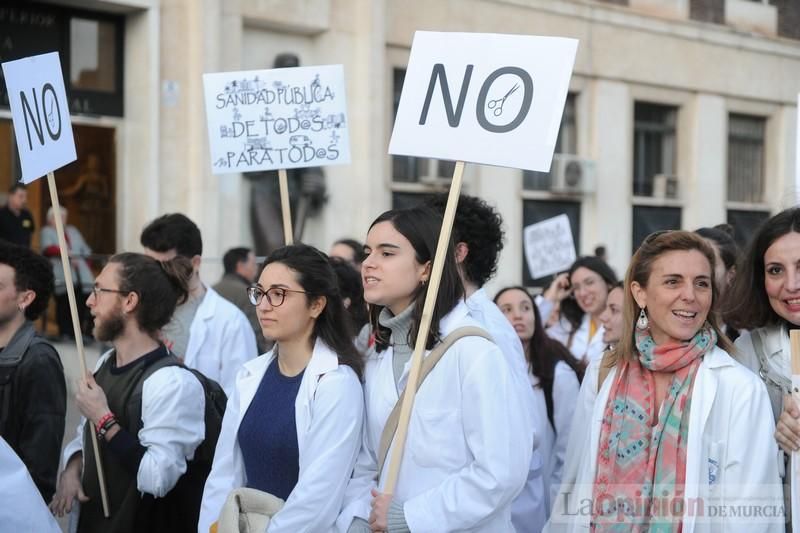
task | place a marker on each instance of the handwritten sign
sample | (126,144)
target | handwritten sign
(485,98)
(277,119)
(40,112)
(549,247)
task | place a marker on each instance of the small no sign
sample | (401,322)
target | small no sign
(41,114)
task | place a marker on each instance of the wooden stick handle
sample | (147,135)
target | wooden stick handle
(794,340)
(286,208)
(424,329)
(76,325)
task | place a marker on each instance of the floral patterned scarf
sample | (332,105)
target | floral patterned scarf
(641,469)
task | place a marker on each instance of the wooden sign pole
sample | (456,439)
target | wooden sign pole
(286,208)
(76,326)
(794,341)
(424,328)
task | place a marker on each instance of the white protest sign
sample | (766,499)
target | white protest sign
(277,119)
(41,115)
(485,98)
(549,247)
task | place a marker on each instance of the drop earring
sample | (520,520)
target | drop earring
(642,323)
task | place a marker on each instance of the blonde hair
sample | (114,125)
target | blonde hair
(639,270)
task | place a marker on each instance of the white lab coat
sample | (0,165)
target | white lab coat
(581,346)
(530,508)
(465,459)
(329,412)
(554,441)
(173,426)
(731,456)
(775,340)
(23,509)
(220,340)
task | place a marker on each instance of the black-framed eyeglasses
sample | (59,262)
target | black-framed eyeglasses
(275,295)
(97,290)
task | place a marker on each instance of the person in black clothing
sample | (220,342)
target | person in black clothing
(147,411)
(16,222)
(33,392)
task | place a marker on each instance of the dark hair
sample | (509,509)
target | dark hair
(350,286)
(160,285)
(544,353)
(599,251)
(421,226)
(569,307)
(316,276)
(728,250)
(639,270)
(357,247)
(173,231)
(233,257)
(17,186)
(32,272)
(480,227)
(746,303)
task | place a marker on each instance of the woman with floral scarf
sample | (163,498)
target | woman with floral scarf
(670,433)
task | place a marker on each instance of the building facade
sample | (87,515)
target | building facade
(681,113)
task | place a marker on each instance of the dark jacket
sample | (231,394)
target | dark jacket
(33,405)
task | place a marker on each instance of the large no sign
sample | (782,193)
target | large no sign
(484,98)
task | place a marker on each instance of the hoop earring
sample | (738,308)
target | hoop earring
(642,323)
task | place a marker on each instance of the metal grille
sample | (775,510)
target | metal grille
(746,158)
(654,144)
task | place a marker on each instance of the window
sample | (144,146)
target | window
(408,169)
(93,61)
(566,143)
(745,224)
(746,158)
(707,11)
(653,145)
(647,219)
(534,211)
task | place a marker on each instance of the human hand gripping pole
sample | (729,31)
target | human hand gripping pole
(76,327)
(424,328)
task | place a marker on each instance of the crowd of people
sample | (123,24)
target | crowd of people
(599,404)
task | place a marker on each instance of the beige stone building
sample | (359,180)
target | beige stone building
(682,113)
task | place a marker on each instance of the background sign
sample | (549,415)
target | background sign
(41,115)
(485,98)
(277,119)
(549,247)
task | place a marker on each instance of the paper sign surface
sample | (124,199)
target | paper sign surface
(40,112)
(549,247)
(484,98)
(278,118)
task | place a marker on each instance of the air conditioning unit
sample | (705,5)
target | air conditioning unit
(437,181)
(571,174)
(666,187)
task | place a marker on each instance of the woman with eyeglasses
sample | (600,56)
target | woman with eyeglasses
(465,457)
(670,433)
(580,295)
(292,427)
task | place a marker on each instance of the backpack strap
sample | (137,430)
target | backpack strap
(387,436)
(777,384)
(134,410)
(606,364)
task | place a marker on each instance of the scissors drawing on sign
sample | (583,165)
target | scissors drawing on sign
(497,105)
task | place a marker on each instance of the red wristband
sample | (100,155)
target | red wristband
(105,418)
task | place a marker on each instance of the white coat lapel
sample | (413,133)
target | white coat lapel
(199,328)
